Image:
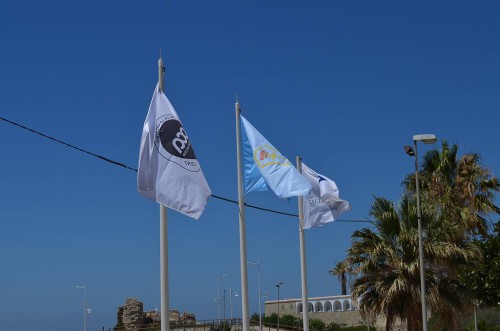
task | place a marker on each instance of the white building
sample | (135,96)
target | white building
(341,309)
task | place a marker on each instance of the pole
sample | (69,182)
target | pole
(219,277)
(420,246)
(165,325)
(84,288)
(303,273)
(218,298)
(278,307)
(241,215)
(224,305)
(231,302)
(258,284)
(84,309)
(475,317)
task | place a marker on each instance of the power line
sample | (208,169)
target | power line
(66,144)
(103,158)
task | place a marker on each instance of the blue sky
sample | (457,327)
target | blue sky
(343,84)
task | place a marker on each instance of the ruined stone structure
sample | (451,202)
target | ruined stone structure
(131,316)
(187,318)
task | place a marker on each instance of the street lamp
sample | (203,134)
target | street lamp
(231,294)
(426,139)
(278,286)
(258,284)
(84,288)
(475,316)
(216,303)
(224,305)
(218,293)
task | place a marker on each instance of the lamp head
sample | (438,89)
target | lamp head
(279,284)
(425,138)
(409,150)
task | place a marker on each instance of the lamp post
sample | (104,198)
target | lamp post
(218,293)
(258,284)
(426,139)
(84,288)
(231,294)
(475,317)
(216,303)
(278,286)
(224,306)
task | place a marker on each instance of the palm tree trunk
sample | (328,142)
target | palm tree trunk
(343,284)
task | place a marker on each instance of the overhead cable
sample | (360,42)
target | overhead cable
(103,158)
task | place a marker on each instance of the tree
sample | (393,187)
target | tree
(483,276)
(254,318)
(460,189)
(387,262)
(461,193)
(341,270)
(458,201)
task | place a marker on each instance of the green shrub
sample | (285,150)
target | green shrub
(254,317)
(359,328)
(290,321)
(333,327)
(317,325)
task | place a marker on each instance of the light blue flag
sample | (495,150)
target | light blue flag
(265,167)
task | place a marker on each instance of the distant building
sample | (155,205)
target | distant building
(341,309)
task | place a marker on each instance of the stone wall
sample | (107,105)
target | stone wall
(347,315)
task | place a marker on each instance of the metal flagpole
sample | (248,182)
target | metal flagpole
(241,213)
(165,325)
(305,306)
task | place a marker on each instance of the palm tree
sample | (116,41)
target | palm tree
(386,259)
(461,193)
(341,270)
(459,188)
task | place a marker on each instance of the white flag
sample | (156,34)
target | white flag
(323,204)
(169,172)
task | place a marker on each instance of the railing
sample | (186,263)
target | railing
(234,324)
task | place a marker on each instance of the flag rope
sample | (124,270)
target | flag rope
(134,169)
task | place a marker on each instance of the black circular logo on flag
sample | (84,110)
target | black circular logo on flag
(173,144)
(174,139)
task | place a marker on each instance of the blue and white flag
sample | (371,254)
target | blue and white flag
(169,172)
(265,167)
(323,204)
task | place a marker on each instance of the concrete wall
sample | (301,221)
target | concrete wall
(347,315)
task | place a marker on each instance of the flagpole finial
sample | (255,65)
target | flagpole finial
(237,104)
(161,74)
(160,62)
